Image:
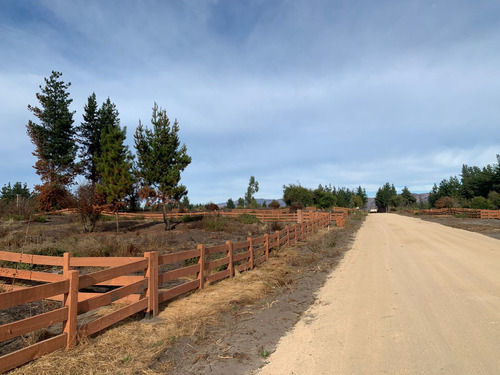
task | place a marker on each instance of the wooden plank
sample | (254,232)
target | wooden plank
(243,267)
(21,356)
(216,263)
(241,245)
(260,260)
(81,297)
(218,276)
(165,295)
(216,249)
(104,299)
(177,257)
(241,256)
(259,240)
(34,293)
(102,261)
(111,273)
(175,274)
(11,330)
(30,275)
(31,259)
(108,320)
(121,280)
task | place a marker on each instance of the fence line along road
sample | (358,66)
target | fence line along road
(140,282)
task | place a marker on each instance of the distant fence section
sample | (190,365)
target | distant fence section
(338,215)
(470,212)
(131,284)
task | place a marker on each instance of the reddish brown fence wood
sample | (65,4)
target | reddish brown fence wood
(185,272)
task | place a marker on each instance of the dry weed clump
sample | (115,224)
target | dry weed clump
(137,346)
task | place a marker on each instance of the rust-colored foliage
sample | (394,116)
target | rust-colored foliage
(52,197)
(211,207)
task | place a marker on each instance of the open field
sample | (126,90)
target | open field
(489,228)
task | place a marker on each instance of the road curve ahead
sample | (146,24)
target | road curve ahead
(410,297)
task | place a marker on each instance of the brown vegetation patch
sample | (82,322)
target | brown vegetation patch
(488,227)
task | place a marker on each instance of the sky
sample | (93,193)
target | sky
(302,92)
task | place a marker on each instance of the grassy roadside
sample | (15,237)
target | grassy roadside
(138,346)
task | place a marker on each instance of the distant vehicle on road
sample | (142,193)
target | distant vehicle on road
(373,210)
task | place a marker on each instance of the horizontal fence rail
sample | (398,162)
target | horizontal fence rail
(137,284)
(469,212)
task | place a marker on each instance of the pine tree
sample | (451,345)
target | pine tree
(89,137)
(384,195)
(407,197)
(90,132)
(114,166)
(54,140)
(230,204)
(161,159)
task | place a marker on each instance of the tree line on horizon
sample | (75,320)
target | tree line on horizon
(477,188)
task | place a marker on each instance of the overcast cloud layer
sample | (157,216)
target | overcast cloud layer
(342,92)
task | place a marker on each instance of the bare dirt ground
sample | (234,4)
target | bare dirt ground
(488,227)
(410,297)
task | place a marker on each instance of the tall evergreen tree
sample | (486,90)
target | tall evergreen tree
(384,196)
(361,192)
(89,137)
(114,166)
(54,140)
(407,197)
(161,159)
(90,132)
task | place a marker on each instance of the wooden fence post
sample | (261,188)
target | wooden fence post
(230,266)
(71,302)
(278,240)
(250,250)
(299,216)
(152,275)
(67,262)
(266,244)
(287,235)
(201,262)
(295,228)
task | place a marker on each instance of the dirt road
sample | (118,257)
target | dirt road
(410,297)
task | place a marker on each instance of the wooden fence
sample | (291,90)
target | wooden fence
(134,284)
(338,214)
(470,212)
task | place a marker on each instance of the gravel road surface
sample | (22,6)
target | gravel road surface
(410,297)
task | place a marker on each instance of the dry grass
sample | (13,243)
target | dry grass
(133,347)
(138,346)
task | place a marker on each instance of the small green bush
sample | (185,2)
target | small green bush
(215,223)
(40,219)
(189,219)
(248,219)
